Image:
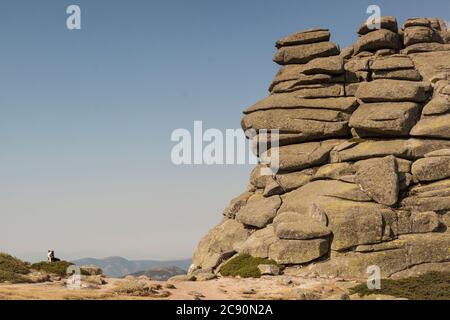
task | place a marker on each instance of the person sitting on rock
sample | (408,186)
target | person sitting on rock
(51,256)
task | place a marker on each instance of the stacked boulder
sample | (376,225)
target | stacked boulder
(364,157)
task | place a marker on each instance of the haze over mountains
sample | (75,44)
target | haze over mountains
(119,267)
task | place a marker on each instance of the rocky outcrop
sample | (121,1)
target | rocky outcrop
(364,156)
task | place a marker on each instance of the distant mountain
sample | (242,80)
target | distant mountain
(119,267)
(160,273)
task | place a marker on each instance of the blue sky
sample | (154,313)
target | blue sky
(86,116)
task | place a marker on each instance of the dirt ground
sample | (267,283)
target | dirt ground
(270,288)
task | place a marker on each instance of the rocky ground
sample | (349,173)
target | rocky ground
(264,288)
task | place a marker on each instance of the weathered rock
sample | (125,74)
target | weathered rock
(379,179)
(298,251)
(352,184)
(438,153)
(431,63)
(236,204)
(308,121)
(378,39)
(392,63)
(301,156)
(259,212)
(269,269)
(404,74)
(393,91)
(305,52)
(420,34)
(431,47)
(333,65)
(295,226)
(431,169)
(257,245)
(311,91)
(273,188)
(304,37)
(434,196)
(416,22)
(294,101)
(220,243)
(408,148)
(433,127)
(387,22)
(394,118)
(92,270)
(436,106)
(334,171)
(423,222)
(293,180)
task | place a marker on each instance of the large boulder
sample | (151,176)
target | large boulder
(298,251)
(295,226)
(259,211)
(220,243)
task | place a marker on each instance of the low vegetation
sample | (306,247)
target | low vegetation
(244,266)
(58,267)
(12,269)
(429,286)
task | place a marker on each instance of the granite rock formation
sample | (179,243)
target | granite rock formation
(364,149)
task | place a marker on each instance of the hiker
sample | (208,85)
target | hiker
(51,256)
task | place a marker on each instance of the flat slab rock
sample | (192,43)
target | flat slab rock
(393,91)
(293,100)
(304,37)
(395,62)
(305,52)
(385,118)
(402,148)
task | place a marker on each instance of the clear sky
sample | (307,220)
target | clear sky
(86,116)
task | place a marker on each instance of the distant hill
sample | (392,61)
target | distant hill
(119,267)
(160,273)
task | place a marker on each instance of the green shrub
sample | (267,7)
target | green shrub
(12,277)
(429,286)
(11,264)
(58,267)
(244,266)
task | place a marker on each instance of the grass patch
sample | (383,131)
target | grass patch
(429,286)
(244,266)
(11,264)
(58,267)
(8,276)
